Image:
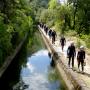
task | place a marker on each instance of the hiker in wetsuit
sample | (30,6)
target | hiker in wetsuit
(50,33)
(46,29)
(71,52)
(44,26)
(62,41)
(53,36)
(81,57)
(41,25)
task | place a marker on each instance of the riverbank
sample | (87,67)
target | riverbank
(10,58)
(77,80)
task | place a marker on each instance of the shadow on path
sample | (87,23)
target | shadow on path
(83,73)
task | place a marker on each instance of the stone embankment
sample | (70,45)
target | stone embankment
(10,58)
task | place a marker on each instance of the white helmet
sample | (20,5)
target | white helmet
(72,43)
(81,47)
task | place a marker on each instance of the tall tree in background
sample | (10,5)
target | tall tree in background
(81,15)
(15,21)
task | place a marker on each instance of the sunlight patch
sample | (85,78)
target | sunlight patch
(42,52)
(30,67)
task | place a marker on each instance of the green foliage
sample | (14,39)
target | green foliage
(37,6)
(5,37)
(81,12)
(52,4)
(35,43)
(15,21)
(86,38)
(71,33)
(78,43)
(47,16)
(53,75)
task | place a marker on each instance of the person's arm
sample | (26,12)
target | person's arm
(68,51)
(56,34)
(78,55)
(64,40)
(74,51)
(84,55)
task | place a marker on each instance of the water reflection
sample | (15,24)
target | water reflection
(38,75)
(31,71)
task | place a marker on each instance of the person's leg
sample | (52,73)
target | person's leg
(82,65)
(49,36)
(72,61)
(52,39)
(69,61)
(62,47)
(78,64)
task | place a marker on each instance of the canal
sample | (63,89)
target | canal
(31,70)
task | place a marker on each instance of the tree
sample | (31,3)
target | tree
(15,21)
(81,15)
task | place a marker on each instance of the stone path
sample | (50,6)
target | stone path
(83,77)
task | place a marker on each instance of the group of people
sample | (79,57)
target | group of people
(51,33)
(71,54)
(71,51)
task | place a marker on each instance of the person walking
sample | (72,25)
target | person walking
(71,52)
(62,41)
(53,36)
(46,29)
(81,58)
(50,33)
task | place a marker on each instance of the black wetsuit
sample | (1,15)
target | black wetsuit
(80,58)
(53,36)
(62,40)
(50,33)
(71,53)
(41,25)
(46,29)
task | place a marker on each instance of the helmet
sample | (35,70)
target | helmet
(81,47)
(72,43)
